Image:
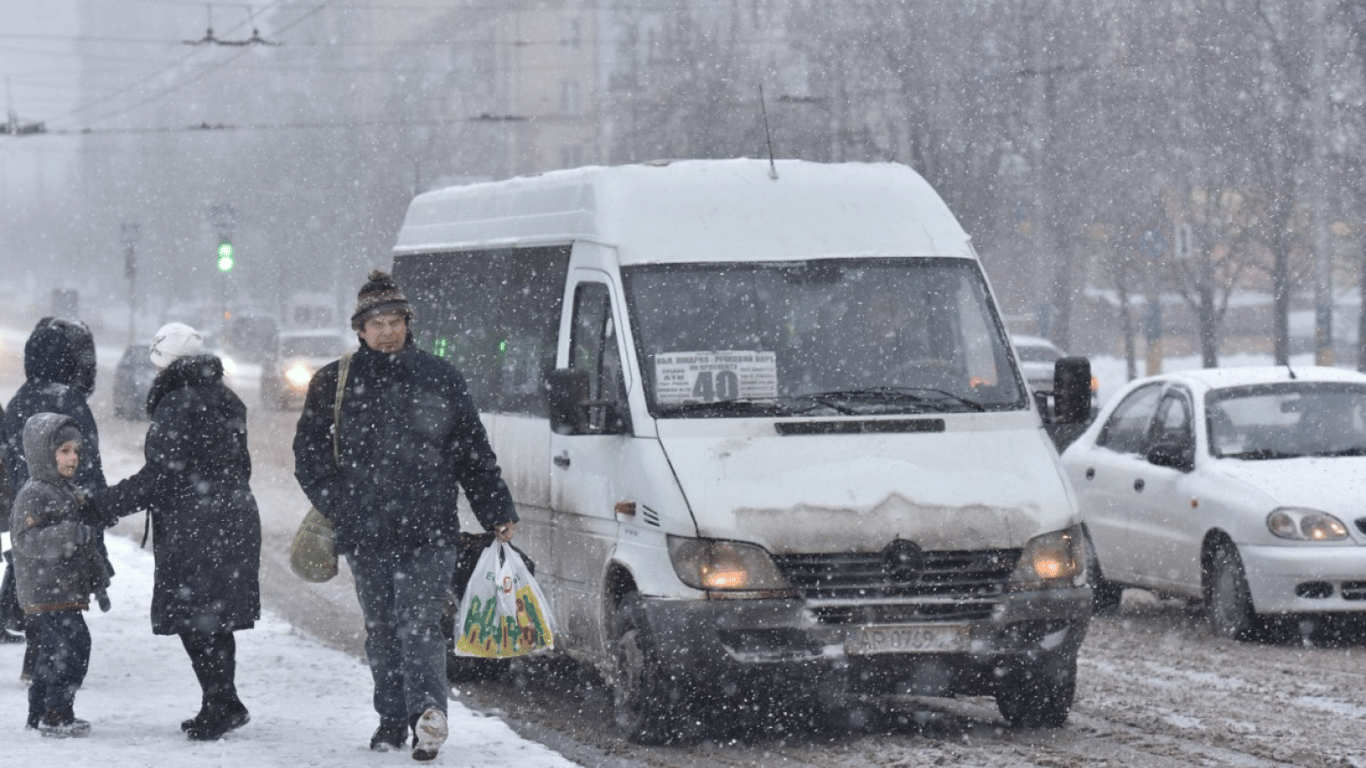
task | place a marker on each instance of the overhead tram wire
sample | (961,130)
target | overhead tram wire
(347,125)
(174,88)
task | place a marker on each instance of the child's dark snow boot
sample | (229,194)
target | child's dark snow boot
(63,725)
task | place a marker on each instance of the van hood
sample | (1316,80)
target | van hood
(955,490)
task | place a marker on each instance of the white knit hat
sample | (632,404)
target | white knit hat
(174,341)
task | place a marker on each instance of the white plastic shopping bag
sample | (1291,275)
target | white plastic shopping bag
(503,612)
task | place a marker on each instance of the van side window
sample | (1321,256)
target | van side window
(593,348)
(494,314)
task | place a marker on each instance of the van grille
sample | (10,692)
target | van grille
(855,587)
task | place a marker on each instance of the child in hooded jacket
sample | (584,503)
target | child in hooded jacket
(57,566)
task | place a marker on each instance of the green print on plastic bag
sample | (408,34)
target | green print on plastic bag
(481,623)
(535,633)
(490,635)
(503,614)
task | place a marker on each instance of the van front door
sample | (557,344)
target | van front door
(585,462)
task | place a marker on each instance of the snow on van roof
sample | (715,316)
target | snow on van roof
(696,211)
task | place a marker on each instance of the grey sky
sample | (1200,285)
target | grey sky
(38,77)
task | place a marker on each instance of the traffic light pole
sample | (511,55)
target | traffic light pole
(224,218)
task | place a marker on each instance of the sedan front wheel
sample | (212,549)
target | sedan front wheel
(1227,597)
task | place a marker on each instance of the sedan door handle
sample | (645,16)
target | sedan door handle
(1138,485)
(562,460)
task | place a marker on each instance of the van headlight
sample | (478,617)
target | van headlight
(1305,525)
(1051,561)
(727,569)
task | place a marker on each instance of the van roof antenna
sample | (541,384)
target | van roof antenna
(1292,370)
(763,108)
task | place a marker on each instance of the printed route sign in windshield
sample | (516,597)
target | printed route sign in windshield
(689,377)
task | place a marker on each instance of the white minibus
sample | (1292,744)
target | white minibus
(768,439)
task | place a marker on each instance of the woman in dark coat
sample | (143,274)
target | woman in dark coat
(205,525)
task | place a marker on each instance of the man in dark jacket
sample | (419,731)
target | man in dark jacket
(407,440)
(59,366)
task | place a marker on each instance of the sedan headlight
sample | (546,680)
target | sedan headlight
(1305,525)
(727,568)
(1051,561)
(298,376)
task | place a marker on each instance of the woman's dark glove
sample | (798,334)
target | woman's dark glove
(91,513)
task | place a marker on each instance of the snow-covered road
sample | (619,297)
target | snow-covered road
(1155,688)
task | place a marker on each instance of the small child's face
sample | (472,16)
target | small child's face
(68,458)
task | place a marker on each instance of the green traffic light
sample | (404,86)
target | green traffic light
(225,257)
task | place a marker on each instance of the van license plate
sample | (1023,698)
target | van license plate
(908,638)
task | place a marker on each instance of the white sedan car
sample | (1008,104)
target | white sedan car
(291,360)
(1244,488)
(1037,358)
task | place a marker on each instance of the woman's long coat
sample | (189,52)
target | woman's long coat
(206,528)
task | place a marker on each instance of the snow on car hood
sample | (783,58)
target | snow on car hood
(1334,484)
(960,489)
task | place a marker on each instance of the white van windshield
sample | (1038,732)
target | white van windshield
(872,336)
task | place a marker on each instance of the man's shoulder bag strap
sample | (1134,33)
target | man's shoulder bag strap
(343,368)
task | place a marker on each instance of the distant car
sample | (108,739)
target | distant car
(293,358)
(1240,487)
(132,381)
(1037,357)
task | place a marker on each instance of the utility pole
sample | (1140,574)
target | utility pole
(1318,174)
(131,229)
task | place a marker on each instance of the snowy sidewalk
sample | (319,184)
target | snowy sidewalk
(310,705)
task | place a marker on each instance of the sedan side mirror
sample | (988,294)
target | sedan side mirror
(1176,455)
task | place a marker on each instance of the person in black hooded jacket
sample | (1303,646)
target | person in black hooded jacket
(206,528)
(59,366)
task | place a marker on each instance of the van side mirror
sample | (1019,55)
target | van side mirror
(573,413)
(1072,390)
(568,401)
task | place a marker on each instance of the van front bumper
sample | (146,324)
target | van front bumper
(728,640)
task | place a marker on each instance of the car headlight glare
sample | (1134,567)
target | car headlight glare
(1305,525)
(1051,560)
(726,567)
(298,375)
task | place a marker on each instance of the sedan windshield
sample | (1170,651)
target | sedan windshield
(1287,420)
(827,337)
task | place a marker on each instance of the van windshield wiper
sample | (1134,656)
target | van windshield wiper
(1356,450)
(1261,454)
(924,397)
(768,406)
